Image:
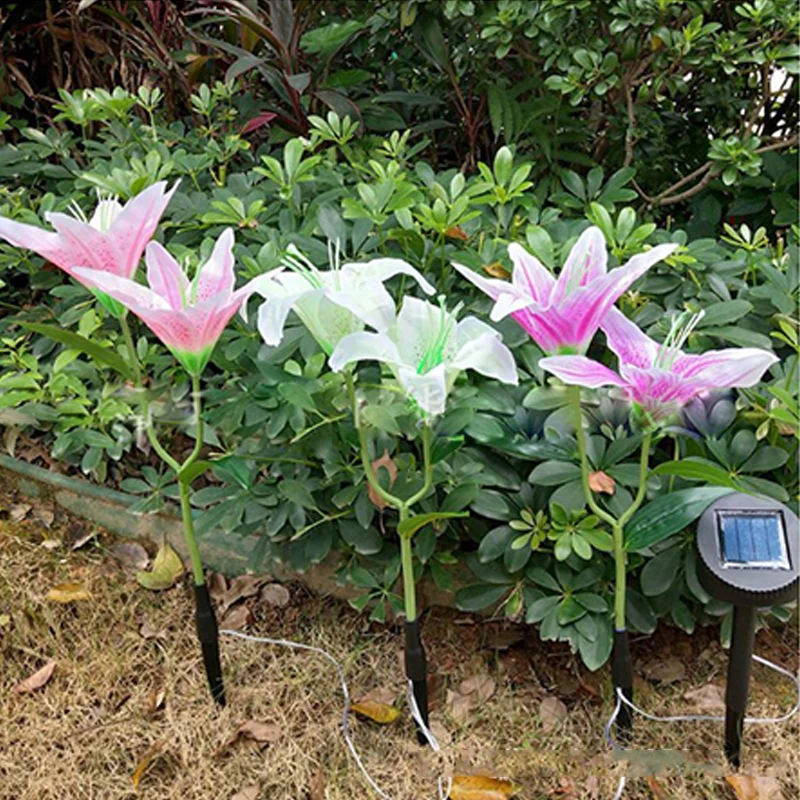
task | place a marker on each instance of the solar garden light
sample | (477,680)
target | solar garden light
(748,549)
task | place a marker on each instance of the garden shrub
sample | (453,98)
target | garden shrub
(285,451)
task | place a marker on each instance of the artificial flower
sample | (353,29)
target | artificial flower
(331,303)
(563,315)
(426,347)
(188,316)
(661,378)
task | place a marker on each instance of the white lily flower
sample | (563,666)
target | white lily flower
(331,303)
(426,348)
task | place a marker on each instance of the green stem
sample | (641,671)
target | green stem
(198,416)
(188,534)
(620,576)
(133,358)
(617,525)
(575,399)
(407,560)
(427,465)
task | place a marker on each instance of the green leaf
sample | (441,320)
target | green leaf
(478,596)
(77,342)
(668,514)
(697,471)
(194,470)
(494,544)
(381,418)
(408,527)
(660,571)
(296,492)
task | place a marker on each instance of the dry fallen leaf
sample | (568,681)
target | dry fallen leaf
(456,232)
(276,595)
(260,732)
(131,556)
(217,586)
(752,787)
(708,698)
(241,587)
(481,787)
(378,712)
(51,544)
(592,788)
(236,619)
(149,631)
(601,482)
(443,736)
(380,694)
(18,511)
(155,701)
(152,753)
(460,706)
(79,535)
(385,462)
(497,270)
(552,711)
(666,671)
(167,569)
(248,793)
(68,593)
(37,680)
(45,516)
(482,686)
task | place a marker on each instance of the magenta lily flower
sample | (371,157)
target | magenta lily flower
(111,241)
(563,315)
(660,378)
(188,316)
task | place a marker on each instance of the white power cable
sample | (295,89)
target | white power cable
(621,699)
(415,713)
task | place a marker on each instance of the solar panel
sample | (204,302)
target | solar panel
(753,539)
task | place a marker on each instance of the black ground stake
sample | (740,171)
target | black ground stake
(208,635)
(417,673)
(622,678)
(748,551)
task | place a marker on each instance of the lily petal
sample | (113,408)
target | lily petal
(587,306)
(45,243)
(382,269)
(216,278)
(481,349)
(165,276)
(508,298)
(429,390)
(530,275)
(585,263)
(581,371)
(722,369)
(370,302)
(137,222)
(630,344)
(90,247)
(363,346)
(136,297)
(272,315)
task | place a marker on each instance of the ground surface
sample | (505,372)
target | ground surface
(128,682)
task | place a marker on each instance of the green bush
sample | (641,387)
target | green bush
(285,452)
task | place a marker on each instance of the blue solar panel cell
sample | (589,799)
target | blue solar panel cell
(753,539)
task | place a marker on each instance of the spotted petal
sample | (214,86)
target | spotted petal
(165,276)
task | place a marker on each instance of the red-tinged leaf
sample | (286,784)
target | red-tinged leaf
(258,122)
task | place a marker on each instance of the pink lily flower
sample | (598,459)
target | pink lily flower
(660,378)
(188,316)
(111,241)
(563,315)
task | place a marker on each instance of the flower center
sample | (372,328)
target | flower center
(434,352)
(681,329)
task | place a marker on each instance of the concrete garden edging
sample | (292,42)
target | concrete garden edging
(221,552)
